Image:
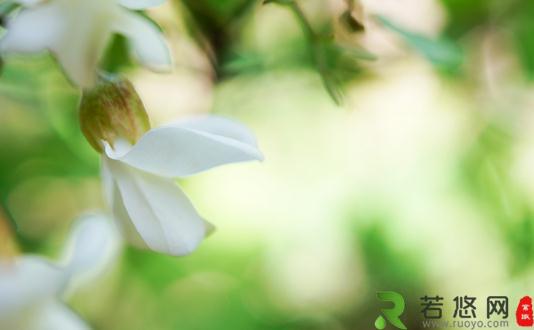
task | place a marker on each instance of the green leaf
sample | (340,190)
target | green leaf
(521,27)
(242,63)
(442,52)
(6,7)
(355,52)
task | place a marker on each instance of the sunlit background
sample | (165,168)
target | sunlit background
(418,178)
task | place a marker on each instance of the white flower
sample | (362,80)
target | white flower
(31,286)
(149,207)
(77,32)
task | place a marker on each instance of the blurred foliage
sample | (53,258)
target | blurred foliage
(381,259)
(513,16)
(41,135)
(216,24)
(485,172)
(6,7)
(442,53)
(336,64)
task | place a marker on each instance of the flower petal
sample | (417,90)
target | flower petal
(190,147)
(19,289)
(159,210)
(92,247)
(33,30)
(121,215)
(83,43)
(108,185)
(75,32)
(123,220)
(114,200)
(55,315)
(138,4)
(147,41)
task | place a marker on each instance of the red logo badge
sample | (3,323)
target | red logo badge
(523,314)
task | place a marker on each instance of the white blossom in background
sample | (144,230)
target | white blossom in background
(31,287)
(149,206)
(78,31)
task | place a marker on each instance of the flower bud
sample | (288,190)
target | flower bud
(110,110)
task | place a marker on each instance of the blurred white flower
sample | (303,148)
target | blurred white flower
(31,287)
(77,32)
(150,208)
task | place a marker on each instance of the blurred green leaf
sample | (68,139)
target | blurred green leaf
(241,63)
(338,64)
(6,7)
(519,19)
(354,52)
(463,16)
(519,240)
(216,25)
(485,174)
(483,170)
(442,53)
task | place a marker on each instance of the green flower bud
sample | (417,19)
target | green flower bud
(110,110)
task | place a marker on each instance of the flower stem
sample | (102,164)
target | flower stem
(317,55)
(303,20)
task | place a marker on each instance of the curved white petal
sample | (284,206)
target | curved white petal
(108,185)
(221,126)
(56,316)
(92,247)
(146,40)
(190,147)
(138,4)
(25,283)
(114,201)
(75,32)
(33,30)
(159,210)
(87,31)
(126,225)
(121,216)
